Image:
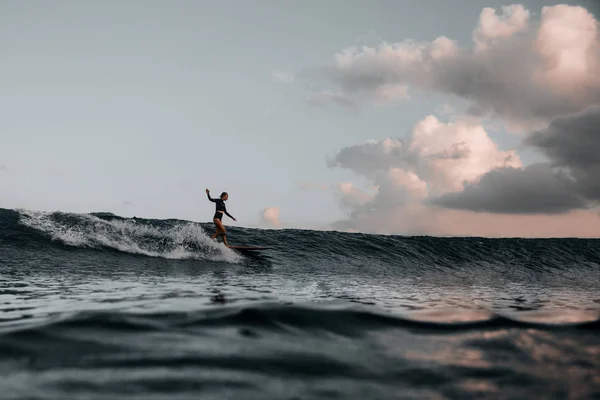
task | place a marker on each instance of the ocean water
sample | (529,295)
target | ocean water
(103,307)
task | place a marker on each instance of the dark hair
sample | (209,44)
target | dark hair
(223,194)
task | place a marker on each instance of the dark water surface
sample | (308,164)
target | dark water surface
(101,307)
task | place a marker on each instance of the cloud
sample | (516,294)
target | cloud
(573,142)
(372,156)
(514,18)
(536,189)
(445,155)
(451,179)
(390,93)
(325,97)
(4,168)
(284,77)
(351,197)
(540,76)
(444,109)
(568,44)
(567,182)
(270,216)
(524,72)
(127,203)
(435,159)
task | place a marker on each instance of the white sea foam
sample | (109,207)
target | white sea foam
(184,240)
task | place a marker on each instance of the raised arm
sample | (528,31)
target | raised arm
(208,195)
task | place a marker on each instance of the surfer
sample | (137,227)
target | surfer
(217,219)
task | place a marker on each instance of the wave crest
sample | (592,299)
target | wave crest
(172,241)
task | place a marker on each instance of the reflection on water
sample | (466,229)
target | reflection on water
(195,335)
(48,293)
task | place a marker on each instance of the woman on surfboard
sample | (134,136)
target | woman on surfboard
(217,219)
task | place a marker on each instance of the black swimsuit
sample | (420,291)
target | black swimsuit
(220,204)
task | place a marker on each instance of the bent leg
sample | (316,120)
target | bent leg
(220,229)
(220,226)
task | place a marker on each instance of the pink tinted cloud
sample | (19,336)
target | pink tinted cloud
(513,18)
(525,72)
(569,45)
(270,216)
(444,155)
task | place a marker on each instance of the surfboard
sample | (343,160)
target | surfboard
(249,248)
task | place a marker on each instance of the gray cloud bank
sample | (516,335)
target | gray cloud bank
(569,181)
(535,189)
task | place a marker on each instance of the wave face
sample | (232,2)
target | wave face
(100,306)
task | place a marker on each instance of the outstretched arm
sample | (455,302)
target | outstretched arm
(230,216)
(208,195)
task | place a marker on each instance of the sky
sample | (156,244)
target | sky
(395,117)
